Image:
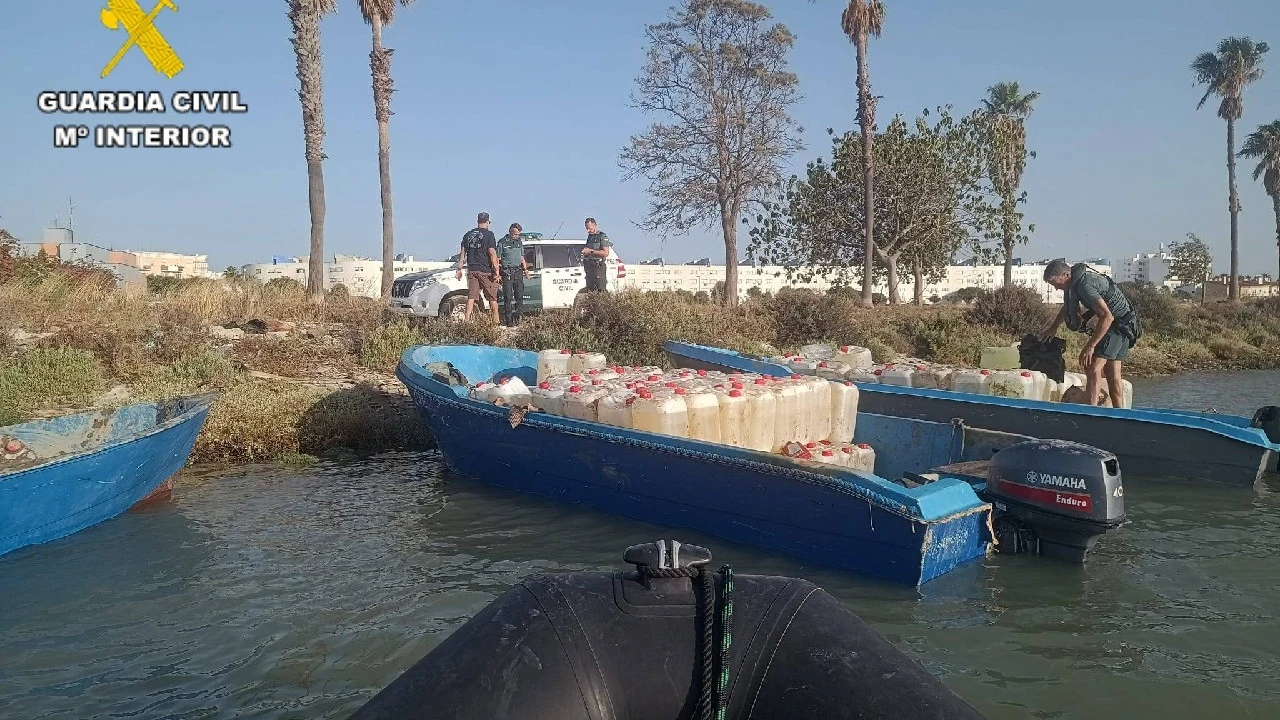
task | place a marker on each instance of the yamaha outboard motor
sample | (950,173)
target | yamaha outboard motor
(1054,498)
(670,641)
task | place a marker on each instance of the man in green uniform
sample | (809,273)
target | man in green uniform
(1115,328)
(594,255)
(514,271)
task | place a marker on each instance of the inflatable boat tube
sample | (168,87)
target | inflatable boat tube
(671,640)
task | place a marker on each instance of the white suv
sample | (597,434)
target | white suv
(556,277)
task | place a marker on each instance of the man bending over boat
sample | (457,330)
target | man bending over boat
(1115,327)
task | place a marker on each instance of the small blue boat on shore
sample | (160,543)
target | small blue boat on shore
(832,516)
(64,474)
(1149,442)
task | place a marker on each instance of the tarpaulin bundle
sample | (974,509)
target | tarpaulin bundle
(1046,356)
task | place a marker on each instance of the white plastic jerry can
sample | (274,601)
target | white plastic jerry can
(615,409)
(976,382)
(734,429)
(818,351)
(512,390)
(865,459)
(854,356)
(844,411)
(1012,384)
(896,375)
(552,362)
(664,414)
(581,362)
(703,410)
(761,416)
(582,402)
(549,398)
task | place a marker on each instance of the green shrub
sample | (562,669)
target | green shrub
(43,378)
(631,326)
(802,316)
(363,419)
(382,348)
(1015,309)
(284,284)
(1157,310)
(554,330)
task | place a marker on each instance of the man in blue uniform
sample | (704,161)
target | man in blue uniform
(594,255)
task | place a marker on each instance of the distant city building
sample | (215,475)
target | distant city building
(772,278)
(360,276)
(363,276)
(175,265)
(60,243)
(1252,286)
(1151,268)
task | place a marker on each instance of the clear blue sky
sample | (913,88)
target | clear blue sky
(520,109)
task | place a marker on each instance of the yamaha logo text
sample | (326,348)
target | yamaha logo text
(1060,481)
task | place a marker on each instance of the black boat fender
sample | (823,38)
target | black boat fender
(671,640)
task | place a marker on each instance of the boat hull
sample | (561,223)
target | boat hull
(752,498)
(70,493)
(1152,443)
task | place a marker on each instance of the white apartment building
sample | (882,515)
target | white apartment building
(168,264)
(771,278)
(361,276)
(1150,268)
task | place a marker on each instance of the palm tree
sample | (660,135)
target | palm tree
(305,17)
(860,20)
(1236,64)
(379,13)
(1263,145)
(1006,110)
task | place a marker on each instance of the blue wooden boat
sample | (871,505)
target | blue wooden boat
(1150,442)
(91,466)
(828,515)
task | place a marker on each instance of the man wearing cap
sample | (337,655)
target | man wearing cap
(480,254)
(594,255)
(514,271)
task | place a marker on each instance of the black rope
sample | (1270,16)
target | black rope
(705,594)
(726,640)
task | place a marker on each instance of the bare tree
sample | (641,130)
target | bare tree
(717,71)
(380,13)
(305,16)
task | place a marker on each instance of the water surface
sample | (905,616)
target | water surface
(264,592)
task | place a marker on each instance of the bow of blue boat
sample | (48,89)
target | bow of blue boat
(828,515)
(1151,442)
(87,467)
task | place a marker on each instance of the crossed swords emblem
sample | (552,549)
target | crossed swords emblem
(143,33)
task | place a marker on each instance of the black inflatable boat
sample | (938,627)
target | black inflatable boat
(671,640)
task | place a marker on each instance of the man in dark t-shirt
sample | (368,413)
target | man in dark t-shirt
(480,254)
